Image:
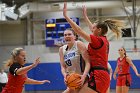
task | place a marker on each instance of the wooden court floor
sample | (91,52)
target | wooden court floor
(112,91)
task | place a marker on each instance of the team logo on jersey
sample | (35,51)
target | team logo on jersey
(69,55)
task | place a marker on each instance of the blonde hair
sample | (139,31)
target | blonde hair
(15,52)
(112,24)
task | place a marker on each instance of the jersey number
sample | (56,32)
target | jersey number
(68,62)
(120,68)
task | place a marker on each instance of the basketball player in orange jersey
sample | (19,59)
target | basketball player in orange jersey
(17,75)
(98,49)
(70,56)
(122,68)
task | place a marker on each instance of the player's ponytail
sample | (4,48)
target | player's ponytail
(124,51)
(9,62)
(114,26)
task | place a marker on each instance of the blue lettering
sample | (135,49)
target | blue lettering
(70,55)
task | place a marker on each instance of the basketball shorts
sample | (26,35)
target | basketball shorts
(124,80)
(99,81)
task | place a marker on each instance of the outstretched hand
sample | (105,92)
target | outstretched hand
(45,81)
(138,75)
(37,61)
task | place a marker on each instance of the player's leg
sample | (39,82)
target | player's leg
(108,90)
(118,89)
(68,90)
(125,89)
(86,89)
(126,83)
(119,84)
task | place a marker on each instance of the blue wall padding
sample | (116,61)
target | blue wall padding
(52,72)
(49,71)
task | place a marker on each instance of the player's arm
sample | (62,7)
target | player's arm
(63,66)
(25,69)
(83,50)
(75,27)
(32,81)
(115,72)
(86,18)
(133,66)
(110,70)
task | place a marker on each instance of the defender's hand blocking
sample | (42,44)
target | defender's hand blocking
(37,61)
(45,81)
(138,75)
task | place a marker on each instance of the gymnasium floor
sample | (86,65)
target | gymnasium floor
(112,91)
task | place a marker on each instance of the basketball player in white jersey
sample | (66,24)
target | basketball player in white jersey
(70,56)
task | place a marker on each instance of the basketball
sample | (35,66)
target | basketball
(72,79)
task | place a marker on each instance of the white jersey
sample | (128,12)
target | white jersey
(109,66)
(72,59)
(3,78)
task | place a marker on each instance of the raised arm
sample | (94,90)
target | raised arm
(86,18)
(133,66)
(25,69)
(75,27)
